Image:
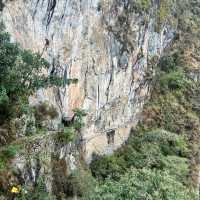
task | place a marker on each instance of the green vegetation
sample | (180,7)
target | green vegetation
(156,149)
(68,134)
(6,153)
(39,192)
(22,72)
(143,184)
(80,183)
(163,147)
(160,159)
(141,5)
(164,7)
(174,80)
(150,164)
(78,118)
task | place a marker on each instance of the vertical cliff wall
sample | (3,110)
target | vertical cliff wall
(109,47)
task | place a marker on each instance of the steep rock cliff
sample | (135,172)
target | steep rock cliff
(111,48)
(106,45)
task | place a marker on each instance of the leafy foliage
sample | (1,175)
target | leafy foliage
(174,80)
(39,192)
(78,118)
(6,153)
(80,183)
(143,184)
(68,134)
(141,5)
(161,151)
(22,72)
(157,149)
(108,166)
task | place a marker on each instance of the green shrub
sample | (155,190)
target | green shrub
(151,149)
(80,183)
(163,10)
(3,96)
(78,118)
(161,159)
(2,164)
(141,5)
(66,135)
(38,192)
(7,152)
(21,75)
(143,184)
(147,150)
(168,63)
(177,167)
(103,167)
(174,80)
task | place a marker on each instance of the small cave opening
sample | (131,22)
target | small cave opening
(110,136)
(67,121)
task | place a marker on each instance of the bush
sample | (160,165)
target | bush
(103,167)
(161,159)
(141,5)
(175,80)
(6,153)
(9,151)
(80,183)
(68,132)
(78,118)
(152,149)
(168,63)
(21,75)
(67,135)
(143,184)
(39,192)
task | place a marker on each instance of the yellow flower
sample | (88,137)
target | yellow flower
(15,189)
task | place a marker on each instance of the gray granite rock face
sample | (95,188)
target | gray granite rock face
(44,156)
(104,44)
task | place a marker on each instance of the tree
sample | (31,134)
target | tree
(22,73)
(143,184)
